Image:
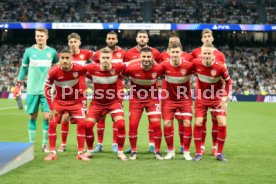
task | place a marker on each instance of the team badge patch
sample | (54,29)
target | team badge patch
(119,55)
(75,74)
(154,75)
(112,72)
(49,55)
(213,72)
(183,72)
(82,57)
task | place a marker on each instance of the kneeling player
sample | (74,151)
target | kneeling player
(67,98)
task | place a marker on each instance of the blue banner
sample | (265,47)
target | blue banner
(138,26)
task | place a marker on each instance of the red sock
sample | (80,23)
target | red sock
(100,129)
(89,125)
(197,138)
(181,132)
(52,134)
(187,138)
(64,132)
(156,126)
(151,133)
(121,134)
(168,133)
(203,131)
(81,134)
(115,133)
(221,138)
(214,131)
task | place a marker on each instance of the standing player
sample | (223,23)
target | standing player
(142,40)
(79,56)
(105,99)
(165,55)
(144,95)
(37,61)
(207,39)
(118,55)
(179,101)
(66,76)
(212,93)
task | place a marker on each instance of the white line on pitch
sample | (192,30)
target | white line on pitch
(5,108)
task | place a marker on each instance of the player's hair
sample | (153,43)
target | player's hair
(175,45)
(209,45)
(74,35)
(143,31)
(42,29)
(146,49)
(206,30)
(65,51)
(106,50)
(174,35)
(113,33)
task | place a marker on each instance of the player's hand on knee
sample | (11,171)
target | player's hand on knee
(53,114)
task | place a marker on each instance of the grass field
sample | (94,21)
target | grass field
(250,148)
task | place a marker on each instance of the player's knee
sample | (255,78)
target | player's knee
(65,118)
(152,120)
(33,116)
(117,118)
(187,123)
(221,120)
(168,123)
(198,122)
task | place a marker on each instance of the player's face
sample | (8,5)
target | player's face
(173,40)
(207,55)
(41,38)
(175,54)
(207,38)
(142,39)
(111,40)
(146,58)
(65,60)
(105,59)
(74,44)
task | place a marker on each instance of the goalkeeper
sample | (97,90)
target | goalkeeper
(37,61)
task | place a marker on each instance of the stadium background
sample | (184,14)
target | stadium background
(251,59)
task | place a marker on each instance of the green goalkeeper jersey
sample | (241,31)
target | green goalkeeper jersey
(37,63)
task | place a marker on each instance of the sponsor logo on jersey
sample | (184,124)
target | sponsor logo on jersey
(154,75)
(137,75)
(112,72)
(75,74)
(183,72)
(119,55)
(61,77)
(213,72)
(49,55)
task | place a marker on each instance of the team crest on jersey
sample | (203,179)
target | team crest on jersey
(49,55)
(183,72)
(154,75)
(119,55)
(112,72)
(213,72)
(82,57)
(75,74)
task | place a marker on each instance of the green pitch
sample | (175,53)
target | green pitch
(250,148)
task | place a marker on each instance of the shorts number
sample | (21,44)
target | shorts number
(157,107)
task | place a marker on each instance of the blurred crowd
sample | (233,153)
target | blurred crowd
(253,70)
(133,11)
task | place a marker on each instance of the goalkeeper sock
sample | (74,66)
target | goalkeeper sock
(32,130)
(45,132)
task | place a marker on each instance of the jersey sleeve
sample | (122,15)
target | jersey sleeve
(55,57)
(24,66)
(157,56)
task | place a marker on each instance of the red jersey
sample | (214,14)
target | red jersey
(209,83)
(219,56)
(134,53)
(105,82)
(165,56)
(118,56)
(67,85)
(143,81)
(178,80)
